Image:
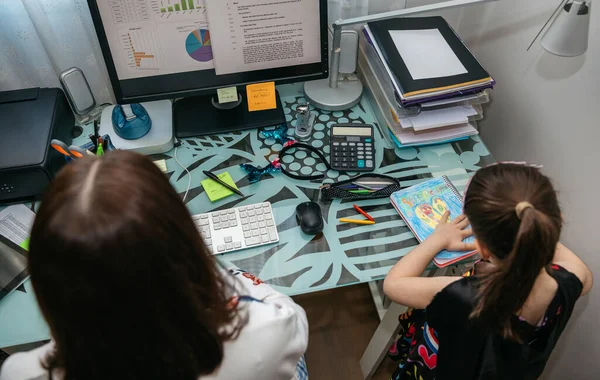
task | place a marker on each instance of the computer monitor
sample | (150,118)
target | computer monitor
(166,49)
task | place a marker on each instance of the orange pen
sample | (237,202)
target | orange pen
(364,213)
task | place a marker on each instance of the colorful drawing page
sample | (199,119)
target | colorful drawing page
(422,206)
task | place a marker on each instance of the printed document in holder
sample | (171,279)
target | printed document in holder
(13,266)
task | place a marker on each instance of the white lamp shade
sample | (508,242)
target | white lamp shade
(568,34)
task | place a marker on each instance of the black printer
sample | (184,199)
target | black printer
(29,120)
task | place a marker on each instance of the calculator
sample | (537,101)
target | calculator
(352,147)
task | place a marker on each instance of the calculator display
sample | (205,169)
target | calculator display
(351,131)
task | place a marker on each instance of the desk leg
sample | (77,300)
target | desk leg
(381,340)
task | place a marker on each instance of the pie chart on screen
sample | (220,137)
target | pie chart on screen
(197,45)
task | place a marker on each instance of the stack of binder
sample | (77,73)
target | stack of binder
(425,84)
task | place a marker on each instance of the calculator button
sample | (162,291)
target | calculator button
(344,165)
(361,163)
(360,148)
(369,163)
(352,144)
(344,149)
(368,140)
(344,144)
(344,159)
(336,144)
(361,157)
(360,144)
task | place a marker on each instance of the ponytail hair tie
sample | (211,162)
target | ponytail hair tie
(522,206)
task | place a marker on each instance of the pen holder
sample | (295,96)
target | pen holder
(107,145)
(366,186)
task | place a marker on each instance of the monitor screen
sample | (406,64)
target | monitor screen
(156,49)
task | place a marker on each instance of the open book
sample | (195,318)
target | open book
(422,206)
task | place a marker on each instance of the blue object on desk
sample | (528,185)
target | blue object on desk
(131,121)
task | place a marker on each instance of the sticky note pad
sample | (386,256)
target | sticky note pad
(227,95)
(25,244)
(162,165)
(261,96)
(215,190)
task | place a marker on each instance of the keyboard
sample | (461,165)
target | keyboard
(237,228)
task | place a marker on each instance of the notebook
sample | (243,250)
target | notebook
(422,206)
(425,58)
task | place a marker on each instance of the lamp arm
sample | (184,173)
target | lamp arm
(339,24)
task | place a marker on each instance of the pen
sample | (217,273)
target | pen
(360,191)
(363,213)
(356,221)
(363,186)
(99,149)
(222,183)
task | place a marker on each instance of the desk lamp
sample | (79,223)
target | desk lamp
(568,34)
(334,94)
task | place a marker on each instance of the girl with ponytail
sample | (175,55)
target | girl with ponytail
(503,319)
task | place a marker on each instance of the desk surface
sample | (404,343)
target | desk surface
(344,254)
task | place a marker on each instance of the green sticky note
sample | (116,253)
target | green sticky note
(215,190)
(227,95)
(25,244)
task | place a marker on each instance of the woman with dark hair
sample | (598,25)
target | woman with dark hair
(129,290)
(503,319)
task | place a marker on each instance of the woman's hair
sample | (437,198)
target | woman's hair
(123,278)
(522,238)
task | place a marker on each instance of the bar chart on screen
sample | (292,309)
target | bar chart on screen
(127,11)
(141,48)
(178,9)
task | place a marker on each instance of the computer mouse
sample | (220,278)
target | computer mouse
(131,121)
(308,215)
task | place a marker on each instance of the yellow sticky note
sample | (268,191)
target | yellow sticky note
(261,96)
(162,165)
(227,95)
(215,190)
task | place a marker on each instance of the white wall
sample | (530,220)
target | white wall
(546,110)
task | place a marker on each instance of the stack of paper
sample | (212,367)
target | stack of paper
(441,115)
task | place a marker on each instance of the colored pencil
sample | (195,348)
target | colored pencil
(363,213)
(355,221)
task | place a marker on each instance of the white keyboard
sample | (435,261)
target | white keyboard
(237,228)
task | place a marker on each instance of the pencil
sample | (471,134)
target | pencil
(345,220)
(363,213)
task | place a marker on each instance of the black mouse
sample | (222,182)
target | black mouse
(308,215)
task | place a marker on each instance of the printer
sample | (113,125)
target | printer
(29,120)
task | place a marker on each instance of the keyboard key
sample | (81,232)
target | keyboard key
(266,210)
(221,247)
(229,246)
(233,223)
(208,242)
(231,212)
(224,218)
(210,249)
(205,235)
(224,224)
(257,206)
(268,216)
(228,239)
(237,244)
(255,232)
(260,218)
(232,217)
(252,241)
(258,211)
(251,213)
(243,214)
(272,233)
(196,217)
(262,224)
(217,226)
(246,227)
(254,226)
(204,222)
(242,208)
(266,204)
(215,214)
(265,238)
(270,223)
(245,221)
(263,231)
(203,216)
(253,219)
(248,234)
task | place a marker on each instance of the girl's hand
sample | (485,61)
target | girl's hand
(450,235)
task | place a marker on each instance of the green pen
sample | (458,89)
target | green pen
(361,191)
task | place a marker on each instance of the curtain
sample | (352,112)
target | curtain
(39,39)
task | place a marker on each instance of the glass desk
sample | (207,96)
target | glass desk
(343,254)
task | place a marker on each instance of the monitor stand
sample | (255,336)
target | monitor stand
(201,115)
